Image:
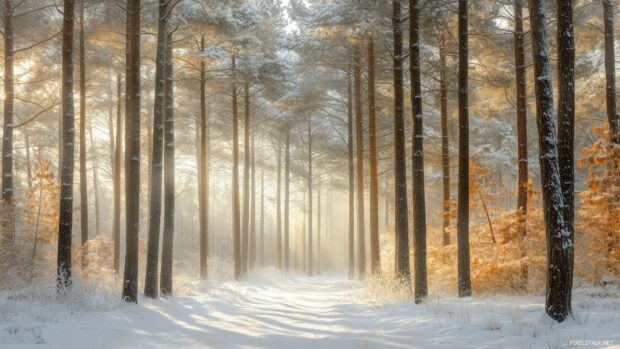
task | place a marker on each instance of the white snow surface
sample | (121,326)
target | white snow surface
(270,309)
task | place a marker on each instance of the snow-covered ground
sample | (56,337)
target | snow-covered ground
(274,310)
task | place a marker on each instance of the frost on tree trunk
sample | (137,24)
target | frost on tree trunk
(132,152)
(375,255)
(65,221)
(462,224)
(419,205)
(559,244)
(566,119)
(165,284)
(359,152)
(400,171)
(521,132)
(8,211)
(152,254)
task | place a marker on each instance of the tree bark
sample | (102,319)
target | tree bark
(262,217)
(375,255)
(359,143)
(462,224)
(65,221)
(559,245)
(610,71)
(351,178)
(521,131)
(165,283)
(310,247)
(118,146)
(93,153)
(252,252)
(245,240)
(318,229)
(445,146)
(419,205)
(279,206)
(287,164)
(8,219)
(400,171)
(155,185)
(235,179)
(566,123)
(132,153)
(203,170)
(83,169)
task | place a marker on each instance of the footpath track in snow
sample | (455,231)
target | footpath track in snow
(274,310)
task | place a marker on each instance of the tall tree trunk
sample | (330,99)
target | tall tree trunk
(462,224)
(262,217)
(28,162)
(65,221)
(566,125)
(132,152)
(359,143)
(310,247)
(235,178)
(246,182)
(375,255)
(83,169)
(8,218)
(610,71)
(152,254)
(203,170)
(521,131)
(400,170)
(559,245)
(93,153)
(279,206)
(116,228)
(252,252)
(351,177)
(287,165)
(445,146)
(165,283)
(419,205)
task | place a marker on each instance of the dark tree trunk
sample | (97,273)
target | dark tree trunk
(154,227)
(203,170)
(287,165)
(132,153)
(462,224)
(65,221)
(419,205)
(83,169)
(521,130)
(310,247)
(118,146)
(375,255)
(400,170)
(245,240)
(559,245)
(252,252)
(28,162)
(318,230)
(235,178)
(279,206)
(610,71)
(359,149)
(351,178)
(165,283)
(8,217)
(566,124)
(445,146)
